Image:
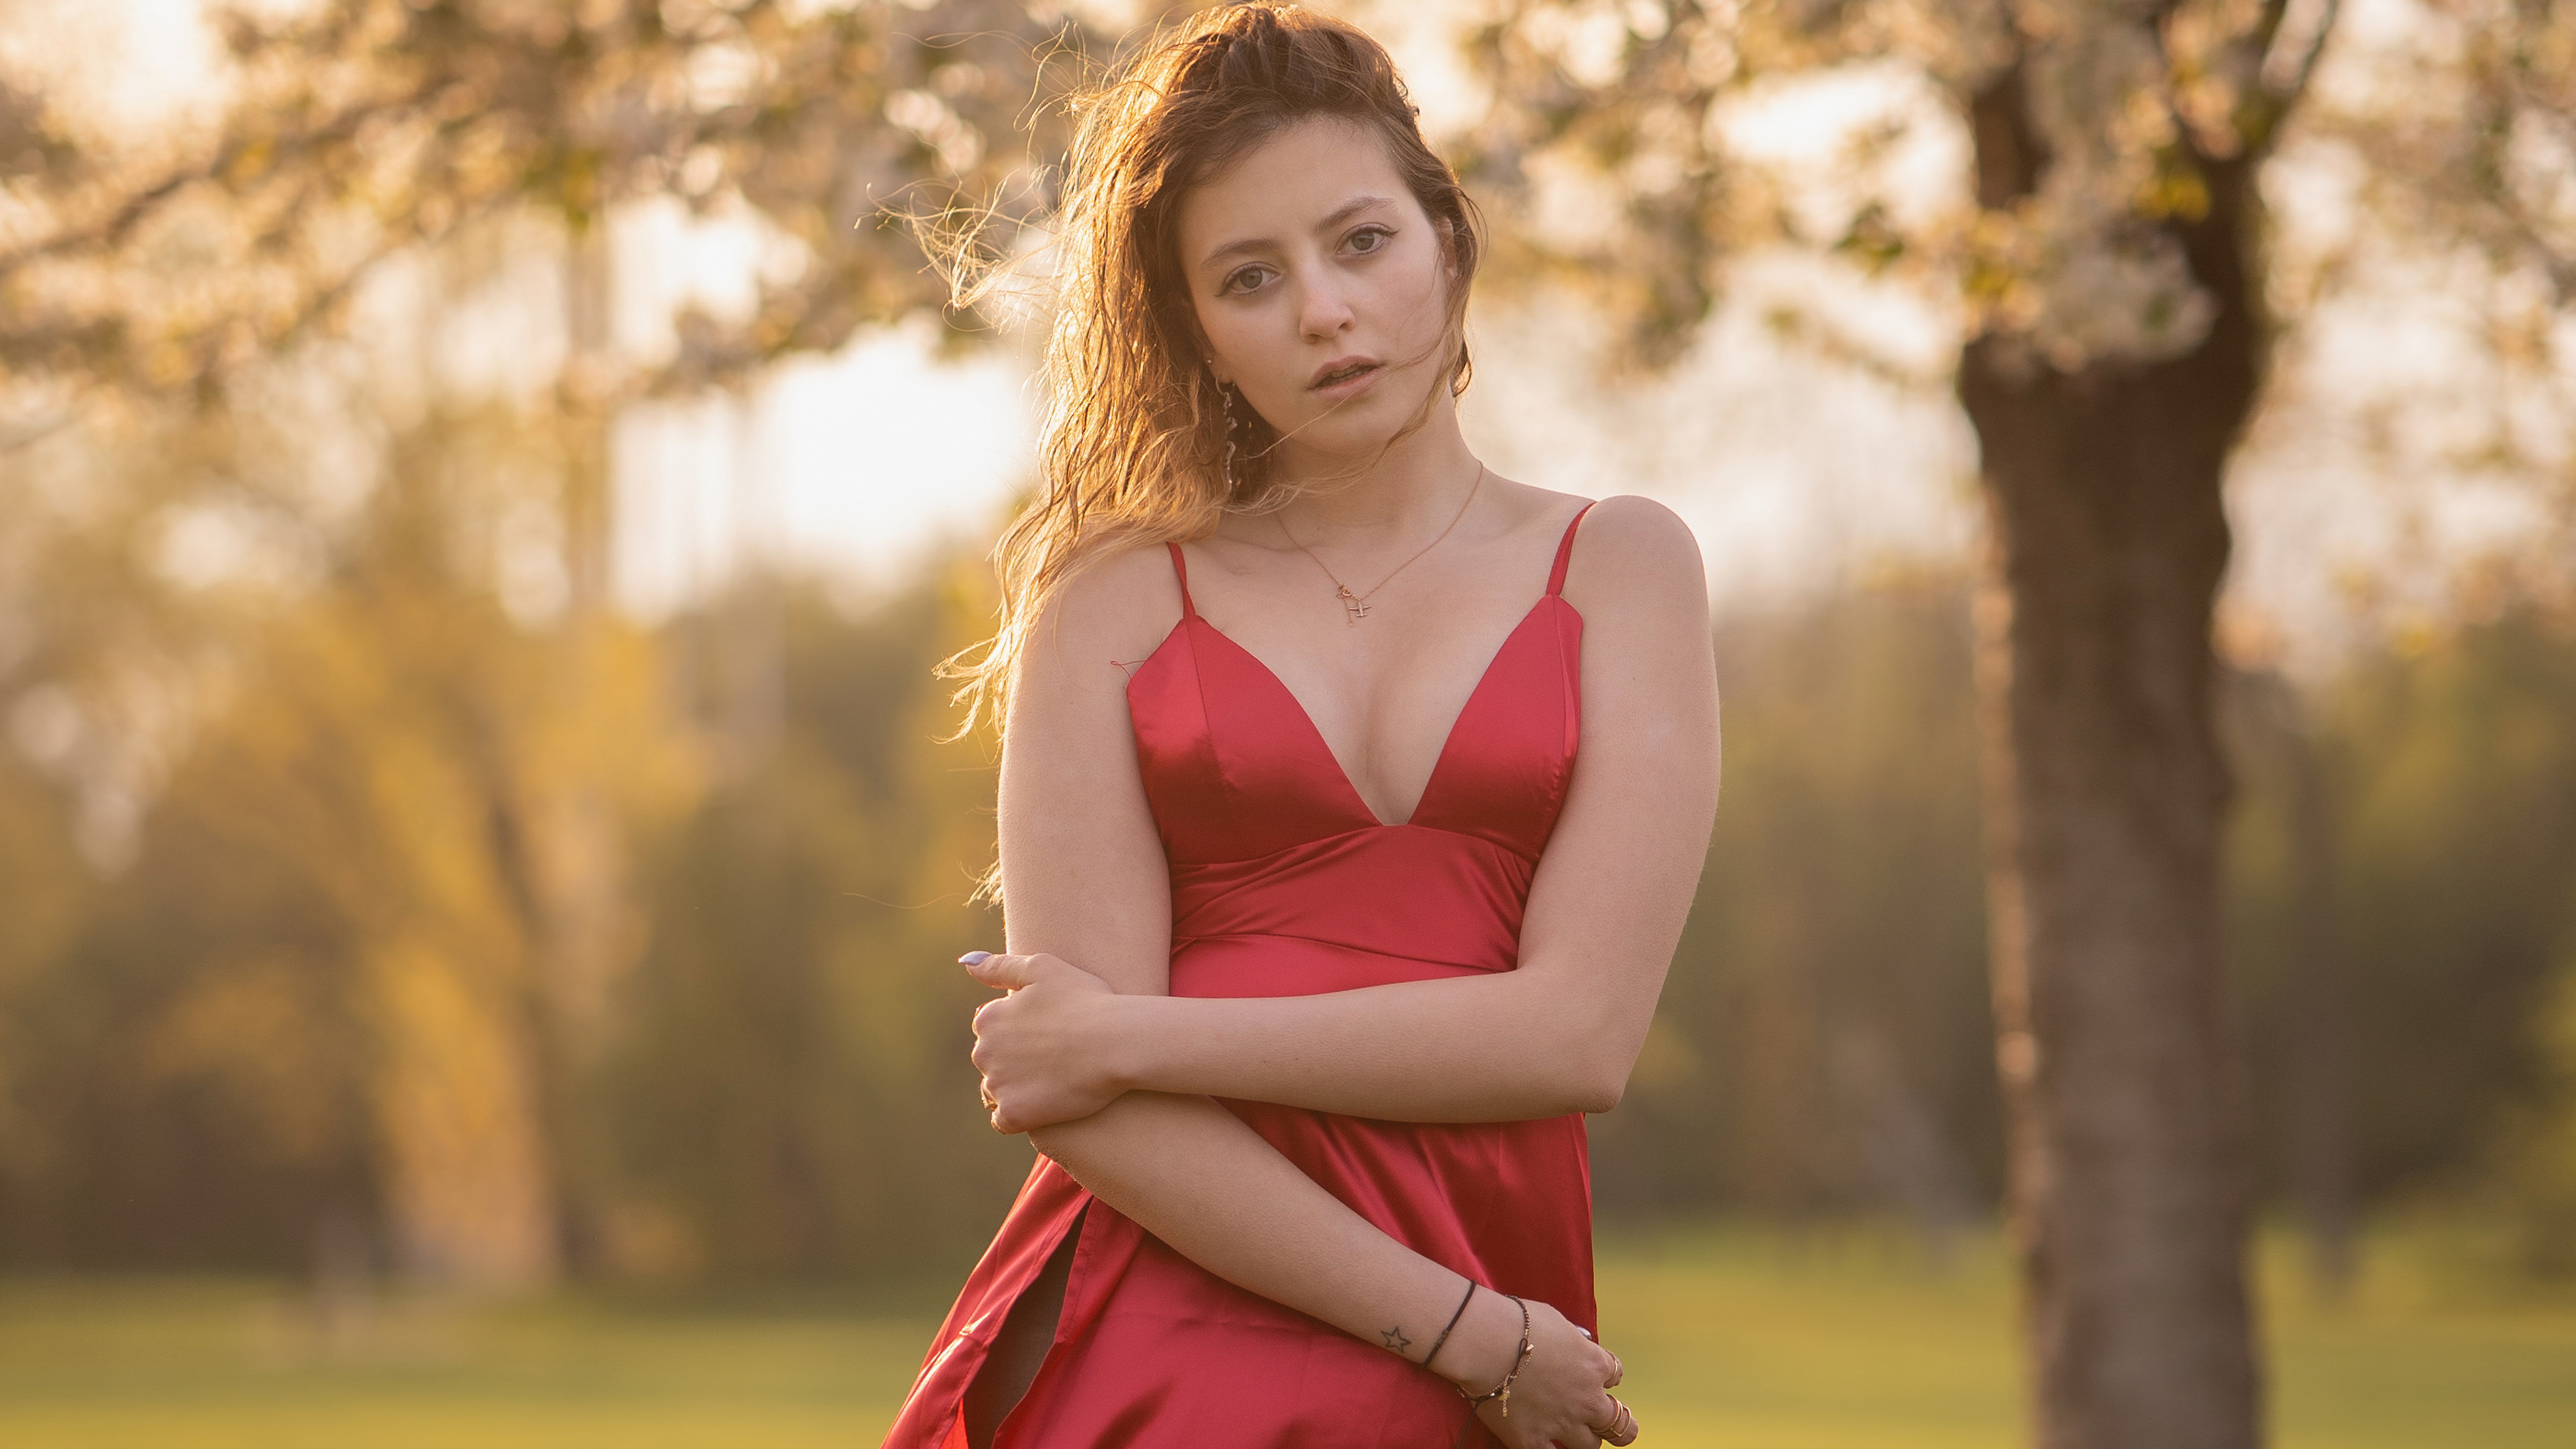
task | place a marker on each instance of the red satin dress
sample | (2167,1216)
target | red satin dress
(1285,884)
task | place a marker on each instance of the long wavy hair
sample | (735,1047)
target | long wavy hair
(1133,446)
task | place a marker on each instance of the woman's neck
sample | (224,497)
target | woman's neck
(1417,482)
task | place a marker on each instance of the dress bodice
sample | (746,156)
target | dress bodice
(1267,836)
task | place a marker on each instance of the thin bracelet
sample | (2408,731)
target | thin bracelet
(1453,1323)
(1503,1390)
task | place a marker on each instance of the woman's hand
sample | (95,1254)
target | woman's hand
(1042,1047)
(1562,1394)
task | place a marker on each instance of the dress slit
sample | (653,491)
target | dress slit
(1059,1266)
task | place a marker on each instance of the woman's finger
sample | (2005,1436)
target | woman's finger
(1622,1428)
(1005,973)
(998,1113)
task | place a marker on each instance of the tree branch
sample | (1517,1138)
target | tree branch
(2271,104)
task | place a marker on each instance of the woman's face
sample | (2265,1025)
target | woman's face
(1321,286)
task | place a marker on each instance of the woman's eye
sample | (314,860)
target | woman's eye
(1369,239)
(1246,280)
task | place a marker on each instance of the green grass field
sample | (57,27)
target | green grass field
(1732,1337)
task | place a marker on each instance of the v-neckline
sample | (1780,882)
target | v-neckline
(1315,732)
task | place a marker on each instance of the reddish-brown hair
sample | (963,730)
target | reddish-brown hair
(1133,445)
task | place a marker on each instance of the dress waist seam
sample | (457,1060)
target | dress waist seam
(1381,827)
(1182,943)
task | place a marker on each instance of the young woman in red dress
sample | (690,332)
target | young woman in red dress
(1323,934)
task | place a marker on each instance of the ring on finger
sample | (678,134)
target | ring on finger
(1623,1425)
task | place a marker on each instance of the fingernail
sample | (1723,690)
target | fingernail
(974,958)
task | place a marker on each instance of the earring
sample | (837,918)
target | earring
(1231,424)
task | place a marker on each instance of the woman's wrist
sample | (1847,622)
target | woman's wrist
(1484,1345)
(1127,1042)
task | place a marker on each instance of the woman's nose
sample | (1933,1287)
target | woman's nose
(1322,309)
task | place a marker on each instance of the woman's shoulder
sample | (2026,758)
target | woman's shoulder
(1635,552)
(1123,570)
(1116,594)
(1628,525)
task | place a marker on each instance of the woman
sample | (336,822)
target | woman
(1322,936)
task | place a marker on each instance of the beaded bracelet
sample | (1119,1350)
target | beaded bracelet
(1503,1390)
(1453,1323)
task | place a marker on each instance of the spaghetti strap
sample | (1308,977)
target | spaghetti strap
(1564,554)
(1181,571)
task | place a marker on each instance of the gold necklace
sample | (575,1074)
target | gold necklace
(1355,606)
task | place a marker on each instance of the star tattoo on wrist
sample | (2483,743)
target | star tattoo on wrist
(1396,1342)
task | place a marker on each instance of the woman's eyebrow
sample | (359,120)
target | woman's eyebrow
(1352,208)
(1339,214)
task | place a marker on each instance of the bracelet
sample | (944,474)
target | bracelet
(1453,1323)
(1503,1390)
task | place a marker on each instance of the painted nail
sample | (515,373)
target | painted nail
(974,958)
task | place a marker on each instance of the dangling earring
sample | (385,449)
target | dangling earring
(1231,423)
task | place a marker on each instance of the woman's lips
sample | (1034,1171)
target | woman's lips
(1347,384)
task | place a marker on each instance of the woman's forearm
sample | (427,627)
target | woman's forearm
(1195,1176)
(1505,1047)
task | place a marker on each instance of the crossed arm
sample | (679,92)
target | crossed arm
(1113,1077)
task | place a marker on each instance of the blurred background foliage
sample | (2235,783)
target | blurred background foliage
(380,899)
(323,939)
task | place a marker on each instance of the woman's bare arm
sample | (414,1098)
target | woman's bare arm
(1086,879)
(1560,1033)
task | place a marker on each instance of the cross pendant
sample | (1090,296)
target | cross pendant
(1353,605)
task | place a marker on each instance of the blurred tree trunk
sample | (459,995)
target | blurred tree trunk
(585,940)
(2316,1025)
(2105,796)
(458,1099)
(591,367)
